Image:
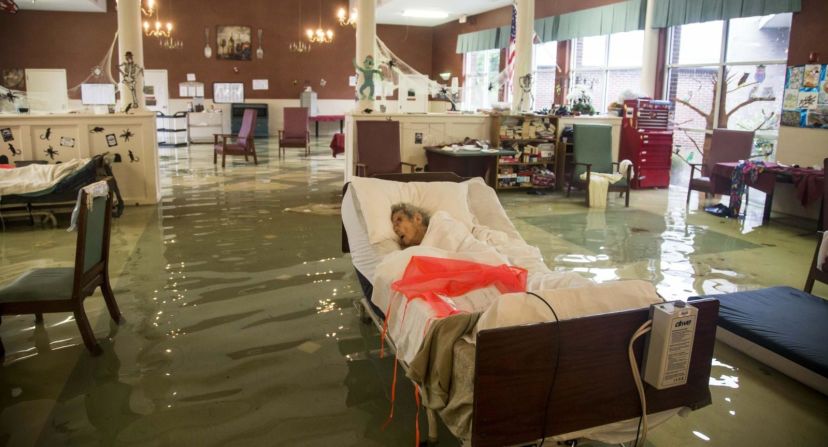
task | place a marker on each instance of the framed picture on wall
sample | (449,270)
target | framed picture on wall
(233,43)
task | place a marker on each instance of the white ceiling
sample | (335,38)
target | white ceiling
(63,5)
(390,11)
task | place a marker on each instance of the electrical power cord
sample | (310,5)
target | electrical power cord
(642,422)
(557,361)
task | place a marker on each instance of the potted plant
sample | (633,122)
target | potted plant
(581,100)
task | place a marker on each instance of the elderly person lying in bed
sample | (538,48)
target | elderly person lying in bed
(410,223)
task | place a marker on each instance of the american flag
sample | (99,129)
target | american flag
(510,62)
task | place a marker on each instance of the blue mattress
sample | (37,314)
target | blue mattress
(784,320)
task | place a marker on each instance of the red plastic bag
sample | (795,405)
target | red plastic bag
(427,277)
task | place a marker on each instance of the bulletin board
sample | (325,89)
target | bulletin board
(805,103)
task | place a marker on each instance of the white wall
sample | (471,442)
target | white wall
(804,147)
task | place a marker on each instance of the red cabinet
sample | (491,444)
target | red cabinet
(647,141)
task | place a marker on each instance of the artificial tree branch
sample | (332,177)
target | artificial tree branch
(693,108)
(749,101)
(739,87)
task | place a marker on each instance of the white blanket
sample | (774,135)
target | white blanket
(446,238)
(599,184)
(34,178)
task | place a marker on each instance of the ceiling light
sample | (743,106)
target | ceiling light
(425,14)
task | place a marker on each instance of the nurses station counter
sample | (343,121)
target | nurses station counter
(130,139)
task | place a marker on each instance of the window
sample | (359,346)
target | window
(545,63)
(605,66)
(480,70)
(727,74)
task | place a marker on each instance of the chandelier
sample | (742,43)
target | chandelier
(160,30)
(346,19)
(300,46)
(320,35)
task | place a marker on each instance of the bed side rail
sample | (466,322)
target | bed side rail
(593,386)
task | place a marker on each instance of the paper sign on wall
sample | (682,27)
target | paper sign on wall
(260,84)
(191,77)
(352,81)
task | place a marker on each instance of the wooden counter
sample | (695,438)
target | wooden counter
(131,138)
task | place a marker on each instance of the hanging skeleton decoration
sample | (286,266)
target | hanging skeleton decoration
(130,71)
(126,135)
(8,6)
(526,90)
(51,152)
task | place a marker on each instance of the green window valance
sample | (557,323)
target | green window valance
(615,18)
(668,13)
(486,39)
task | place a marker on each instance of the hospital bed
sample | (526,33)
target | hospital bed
(556,380)
(62,195)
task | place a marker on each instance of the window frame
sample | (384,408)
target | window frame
(720,66)
(465,100)
(604,68)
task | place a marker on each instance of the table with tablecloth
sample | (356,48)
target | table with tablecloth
(338,144)
(809,182)
(317,118)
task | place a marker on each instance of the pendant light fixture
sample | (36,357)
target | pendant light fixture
(320,35)
(299,46)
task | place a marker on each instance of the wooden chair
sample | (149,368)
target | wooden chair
(725,146)
(45,290)
(295,133)
(378,148)
(244,144)
(593,153)
(816,274)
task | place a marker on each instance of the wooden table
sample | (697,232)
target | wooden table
(809,182)
(316,119)
(466,163)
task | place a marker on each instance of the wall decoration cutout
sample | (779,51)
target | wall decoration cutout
(13,78)
(46,135)
(118,158)
(7,134)
(67,142)
(14,151)
(4,160)
(111,140)
(127,134)
(806,97)
(233,43)
(96,130)
(132,157)
(51,152)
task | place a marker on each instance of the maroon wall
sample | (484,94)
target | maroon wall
(808,32)
(79,41)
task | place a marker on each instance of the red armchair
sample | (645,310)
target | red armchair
(295,133)
(243,145)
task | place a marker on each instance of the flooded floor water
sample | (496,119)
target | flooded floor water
(240,328)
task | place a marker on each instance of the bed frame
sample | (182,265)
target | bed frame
(593,386)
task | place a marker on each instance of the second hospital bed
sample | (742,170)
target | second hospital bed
(560,380)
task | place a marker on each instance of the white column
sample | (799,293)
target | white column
(524,30)
(366,34)
(131,38)
(650,60)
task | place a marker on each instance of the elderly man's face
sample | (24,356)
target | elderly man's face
(410,230)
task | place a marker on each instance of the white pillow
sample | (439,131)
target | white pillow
(487,210)
(376,197)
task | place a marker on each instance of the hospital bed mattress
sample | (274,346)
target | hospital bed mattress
(780,326)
